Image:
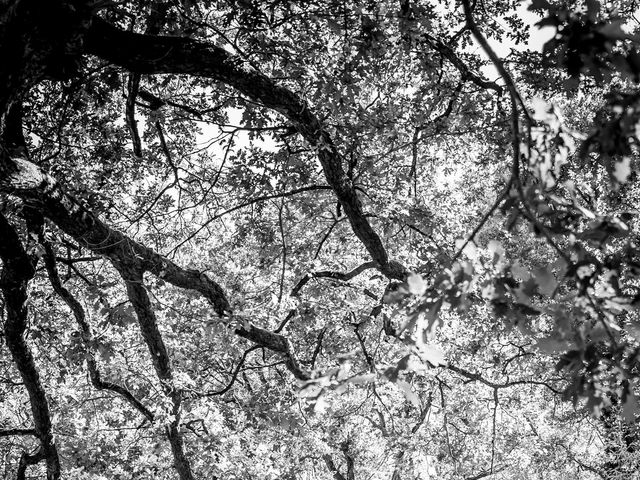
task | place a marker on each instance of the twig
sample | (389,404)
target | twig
(252,201)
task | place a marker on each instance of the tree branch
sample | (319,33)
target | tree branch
(133,85)
(332,467)
(465,72)
(345,277)
(87,336)
(274,342)
(477,377)
(160,358)
(17,431)
(18,270)
(148,54)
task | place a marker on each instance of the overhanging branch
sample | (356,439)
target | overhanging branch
(150,54)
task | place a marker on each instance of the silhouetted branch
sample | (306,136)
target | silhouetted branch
(133,85)
(345,277)
(87,336)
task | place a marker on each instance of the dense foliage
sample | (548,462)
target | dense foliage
(310,240)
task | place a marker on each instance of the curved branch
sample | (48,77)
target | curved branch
(473,377)
(87,336)
(41,191)
(465,72)
(18,270)
(27,459)
(149,54)
(345,277)
(234,375)
(276,343)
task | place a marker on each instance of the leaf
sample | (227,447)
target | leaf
(409,394)
(416,284)
(363,379)
(519,271)
(432,315)
(614,30)
(497,250)
(431,354)
(539,5)
(310,391)
(622,169)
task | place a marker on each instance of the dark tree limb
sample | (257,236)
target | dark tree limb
(87,336)
(133,85)
(351,473)
(148,54)
(465,72)
(42,193)
(332,467)
(234,376)
(27,459)
(276,343)
(17,431)
(18,270)
(156,103)
(316,351)
(148,323)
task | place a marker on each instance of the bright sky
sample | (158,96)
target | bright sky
(537,38)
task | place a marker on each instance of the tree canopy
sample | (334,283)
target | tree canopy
(319,240)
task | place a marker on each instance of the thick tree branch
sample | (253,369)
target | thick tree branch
(18,270)
(148,54)
(27,459)
(148,323)
(133,85)
(156,102)
(351,473)
(276,343)
(17,431)
(41,192)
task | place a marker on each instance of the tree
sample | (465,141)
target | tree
(250,239)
